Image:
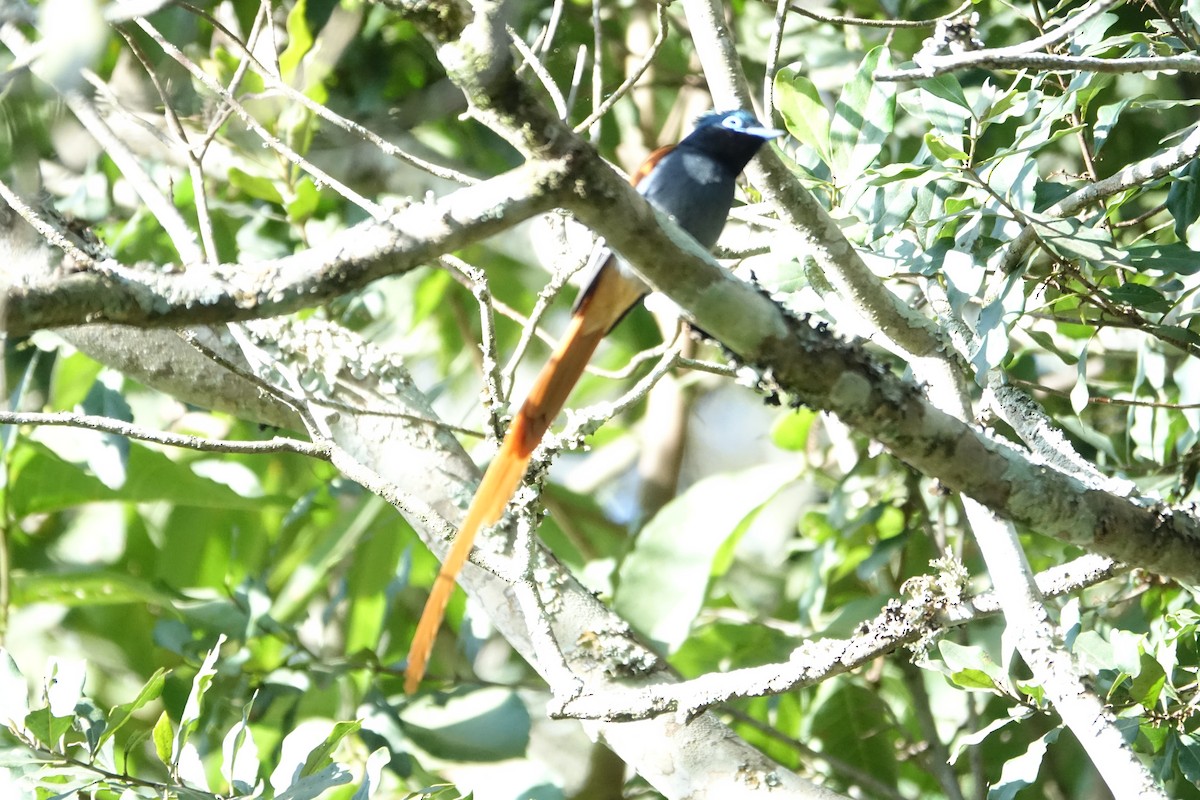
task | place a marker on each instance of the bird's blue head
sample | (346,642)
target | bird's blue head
(731,137)
(738,121)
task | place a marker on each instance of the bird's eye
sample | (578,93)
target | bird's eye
(732,122)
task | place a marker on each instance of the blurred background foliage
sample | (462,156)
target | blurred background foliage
(201,624)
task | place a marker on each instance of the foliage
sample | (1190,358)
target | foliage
(192,624)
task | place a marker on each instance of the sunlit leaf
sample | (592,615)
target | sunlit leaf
(43,481)
(469,724)
(1023,770)
(120,715)
(664,579)
(321,756)
(164,739)
(862,118)
(803,112)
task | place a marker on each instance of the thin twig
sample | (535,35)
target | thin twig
(1044,62)
(195,164)
(1106,401)
(585,421)
(546,39)
(319,175)
(273,82)
(597,68)
(52,233)
(581,59)
(532,325)
(879,23)
(539,69)
(773,49)
(602,108)
(91,422)
(85,111)
(475,280)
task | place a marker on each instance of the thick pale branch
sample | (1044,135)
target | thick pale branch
(817,369)
(34,297)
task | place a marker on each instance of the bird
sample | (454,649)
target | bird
(693,182)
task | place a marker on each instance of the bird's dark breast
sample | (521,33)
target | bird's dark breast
(696,190)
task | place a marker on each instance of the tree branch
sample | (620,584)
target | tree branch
(919,620)
(33,297)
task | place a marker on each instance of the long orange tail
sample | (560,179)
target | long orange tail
(603,304)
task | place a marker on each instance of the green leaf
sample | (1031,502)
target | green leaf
(1174,333)
(974,679)
(970,659)
(790,432)
(1007,104)
(1047,342)
(86,589)
(1081,392)
(1148,684)
(240,762)
(14,692)
(108,455)
(947,88)
(73,379)
(321,757)
(164,739)
(851,723)
(890,173)
(303,201)
(804,115)
(64,685)
(469,724)
(1071,240)
(1153,736)
(1189,758)
(42,481)
(119,715)
(47,728)
(372,572)
(1183,198)
(966,741)
(332,548)
(256,186)
(313,786)
(862,119)
(372,773)
(1035,143)
(1176,258)
(1035,691)
(942,102)
(1106,118)
(189,720)
(942,151)
(1023,770)
(91,722)
(300,41)
(664,579)
(1140,297)
(430,295)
